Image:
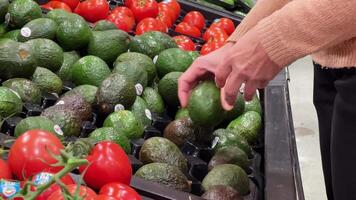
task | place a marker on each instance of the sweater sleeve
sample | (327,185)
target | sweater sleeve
(262,9)
(303,27)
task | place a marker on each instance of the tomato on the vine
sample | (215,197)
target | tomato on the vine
(108,163)
(71,3)
(93,10)
(186,29)
(85,192)
(226,24)
(43,178)
(5,172)
(184,42)
(144,8)
(122,22)
(213,32)
(195,18)
(165,18)
(174,5)
(164,8)
(33,152)
(56,5)
(122,10)
(210,47)
(119,191)
(150,24)
(105,197)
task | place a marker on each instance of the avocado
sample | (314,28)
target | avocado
(110,134)
(108,45)
(73,33)
(151,43)
(38,122)
(114,90)
(66,118)
(159,149)
(17,60)
(141,111)
(133,70)
(103,25)
(47,81)
(225,137)
(13,35)
(193,54)
(48,53)
(78,104)
(23,11)
(59,15)
(164,174)
(168,88)
(182,113)
(204,105)
(28,91)
(90,70)
(228,175)
(69,58)
(153,100)
(10,102)
(247,125)
(4,4)
(230,155)
(173,60)
(253,105)
(125,122)
(87,92)
(3,29)
(180,130)
(38,28)
(144,60)
(222,192)
(238,109)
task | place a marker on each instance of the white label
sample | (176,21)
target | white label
(26,32)
(119,107)
(148,114)
(155,59)
(17,94)
(215,142)
(60,102)
(7,18)
(242,88)
(55,94)
(139,89)
(58,130)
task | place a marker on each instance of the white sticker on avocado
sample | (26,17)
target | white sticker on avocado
(215,142)
(242,88)
(17,94)
(26,32)
(148,114)
(139,89)
(155,59)
(7,18)
(119,107)
(55,94)
(60,102)
(58,130)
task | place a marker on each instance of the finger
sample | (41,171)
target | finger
(222,73)
(230,90)
(250,90)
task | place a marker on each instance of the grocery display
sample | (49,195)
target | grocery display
(90,90)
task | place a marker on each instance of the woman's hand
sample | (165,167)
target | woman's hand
(243,62)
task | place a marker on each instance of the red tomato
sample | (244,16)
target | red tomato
(5,172)
(174,5)
(86,192)
(56,5)
(123,22)
(150,24)
(212,32)
(164,8)
(30,155)
(144,8)
(226,24)
(105,197)
(123,11)
(210,47)
(165,18)
(184,42)
(43,178)
(71,3)
(195,18)
(186,29)
(128,3)
(119,191)
(93,10)
(108,163)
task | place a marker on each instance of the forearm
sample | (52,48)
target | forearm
(303,27)
(262,9)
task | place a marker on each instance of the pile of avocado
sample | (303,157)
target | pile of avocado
(121,84)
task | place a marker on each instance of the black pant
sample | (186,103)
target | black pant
(335,103)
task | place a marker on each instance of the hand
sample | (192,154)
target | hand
(243,62)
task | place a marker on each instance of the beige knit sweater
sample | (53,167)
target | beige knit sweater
(289,30)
